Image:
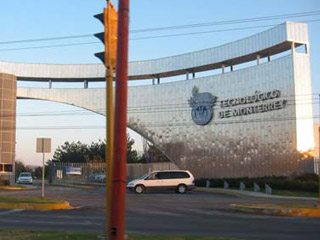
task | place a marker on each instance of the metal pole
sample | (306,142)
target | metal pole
(42,189)
(109,122)
(109,147)
(120,139)
(319,150)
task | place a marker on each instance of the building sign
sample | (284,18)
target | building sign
(73,170)
(261,103)
(43,145)
(202,103)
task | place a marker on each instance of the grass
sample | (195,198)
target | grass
(11,234)
(140,237)
(33,200)
(308,206)
(288,205)
(294,193)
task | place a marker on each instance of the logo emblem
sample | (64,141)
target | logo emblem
(201,104)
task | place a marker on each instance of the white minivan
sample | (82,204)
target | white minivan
(177,180)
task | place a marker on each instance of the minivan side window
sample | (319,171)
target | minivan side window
(183,175)
(153,176)
(172,175)
(165,175)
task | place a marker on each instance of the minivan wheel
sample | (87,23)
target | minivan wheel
(139,189)
(182,188)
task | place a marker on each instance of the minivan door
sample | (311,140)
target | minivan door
(152,182)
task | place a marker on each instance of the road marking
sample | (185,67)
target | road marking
(11,211)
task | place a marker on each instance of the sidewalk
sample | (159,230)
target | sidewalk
(268,209)
(250,194)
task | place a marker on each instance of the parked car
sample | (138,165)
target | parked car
(178,180)
(100,178)
(24,177)
(97,177)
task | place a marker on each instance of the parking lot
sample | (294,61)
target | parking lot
(195,213)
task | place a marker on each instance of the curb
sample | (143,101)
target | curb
(17,188)
(33,206)
(273,209)
(74,186)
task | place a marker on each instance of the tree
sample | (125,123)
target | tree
(38,172)
(97,151)
(75,152)
(20,167)
(132,155)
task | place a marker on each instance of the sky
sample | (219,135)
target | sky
(35,19)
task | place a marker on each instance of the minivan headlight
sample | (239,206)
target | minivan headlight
(130,184)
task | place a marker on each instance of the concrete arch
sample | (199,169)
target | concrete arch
(239,139)
(72,96)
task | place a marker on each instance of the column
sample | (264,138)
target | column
(8,95)
(269,58)
(258,59)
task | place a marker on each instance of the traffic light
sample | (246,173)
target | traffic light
(112,30)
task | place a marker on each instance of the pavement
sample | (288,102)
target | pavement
(255,208)
(297,210)
(196,213)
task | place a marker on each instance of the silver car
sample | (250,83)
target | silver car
(25,177)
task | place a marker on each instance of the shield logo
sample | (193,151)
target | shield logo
(201,104)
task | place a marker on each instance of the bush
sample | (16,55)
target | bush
(307,177)
(308,182)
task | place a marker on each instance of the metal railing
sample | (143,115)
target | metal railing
(94,173)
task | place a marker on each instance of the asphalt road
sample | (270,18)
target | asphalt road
(196,213)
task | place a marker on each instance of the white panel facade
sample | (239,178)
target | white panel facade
(174,65)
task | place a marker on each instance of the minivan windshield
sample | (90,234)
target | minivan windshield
(144,176)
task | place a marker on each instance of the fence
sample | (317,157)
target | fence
(95,173)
